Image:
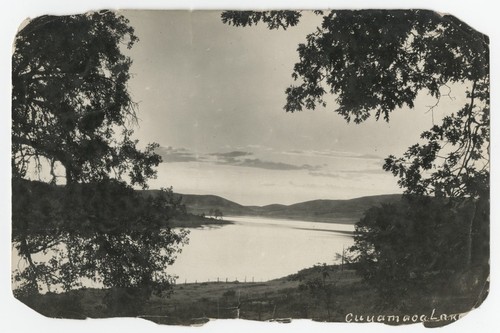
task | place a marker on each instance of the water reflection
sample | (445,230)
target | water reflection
(259,249)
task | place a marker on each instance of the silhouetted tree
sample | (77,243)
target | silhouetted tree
(70,103)
(71,109)
(416,244)
(376,61)
(103,231)
(217,213)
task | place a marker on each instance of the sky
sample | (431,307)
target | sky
(212,96)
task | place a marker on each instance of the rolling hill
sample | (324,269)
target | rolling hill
(347,211)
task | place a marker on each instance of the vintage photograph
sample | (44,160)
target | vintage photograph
(191,166)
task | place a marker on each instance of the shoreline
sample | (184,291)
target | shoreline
(195,221)
(340,220)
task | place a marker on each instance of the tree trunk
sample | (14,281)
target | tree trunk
(69,174)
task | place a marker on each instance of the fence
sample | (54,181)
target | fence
(221,280)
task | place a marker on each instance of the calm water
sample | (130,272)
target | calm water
(253,248)
(258,248)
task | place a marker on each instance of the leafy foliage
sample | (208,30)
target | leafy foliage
(421,244)
(105,232)
(71,108)
(374,62)
(274,19)
(453,161)
(70,103)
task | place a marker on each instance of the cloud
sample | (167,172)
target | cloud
(332,154)
(232,154)
(230,158)
(296,152)
(324,174)
(366,171)
(313,185)
(233,158)
(258,163)
(348,173)
(370,156)
(172,155)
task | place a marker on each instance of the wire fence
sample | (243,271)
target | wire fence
(245,279)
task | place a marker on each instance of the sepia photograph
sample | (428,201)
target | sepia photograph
(187,167)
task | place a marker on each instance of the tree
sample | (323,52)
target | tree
(104,232)
(322,286)
(217,213)
(71,109)
(376,61)
(70,103)
(415,244)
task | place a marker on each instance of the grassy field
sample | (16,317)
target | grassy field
(307,294)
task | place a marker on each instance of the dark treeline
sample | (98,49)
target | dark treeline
(72,119)
(103,231)
(423,244)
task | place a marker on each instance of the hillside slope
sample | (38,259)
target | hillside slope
(348,211)
(332,209)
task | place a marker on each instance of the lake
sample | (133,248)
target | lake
(255,248)
(258,248)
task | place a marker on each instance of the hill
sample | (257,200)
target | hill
(348,211)
(323,210)
(198,204)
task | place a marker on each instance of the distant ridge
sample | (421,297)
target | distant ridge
(203,203)
(346,211)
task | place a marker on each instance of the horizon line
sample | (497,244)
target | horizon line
(276,203)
